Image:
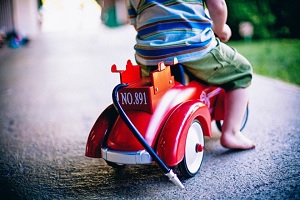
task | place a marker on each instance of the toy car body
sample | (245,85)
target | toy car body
(172,117)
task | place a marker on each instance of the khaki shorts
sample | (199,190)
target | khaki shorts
(223,66)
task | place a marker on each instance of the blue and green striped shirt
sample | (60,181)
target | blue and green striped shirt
(170,28)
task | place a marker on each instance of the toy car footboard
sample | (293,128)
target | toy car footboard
(121,157)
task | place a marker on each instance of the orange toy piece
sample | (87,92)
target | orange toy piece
(143,93)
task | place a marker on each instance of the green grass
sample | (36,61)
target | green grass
(279,59)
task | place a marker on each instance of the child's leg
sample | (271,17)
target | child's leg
(235,106)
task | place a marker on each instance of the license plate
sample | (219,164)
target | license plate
(136,99)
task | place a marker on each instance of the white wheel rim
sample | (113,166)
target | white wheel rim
(194,137)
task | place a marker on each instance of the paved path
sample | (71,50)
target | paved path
(51,93)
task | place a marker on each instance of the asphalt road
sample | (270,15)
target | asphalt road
(53,90)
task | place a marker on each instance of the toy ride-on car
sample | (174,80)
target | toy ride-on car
(160,118)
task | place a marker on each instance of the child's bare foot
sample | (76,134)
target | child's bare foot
(236,141)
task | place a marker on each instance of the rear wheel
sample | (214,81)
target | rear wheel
(194,149)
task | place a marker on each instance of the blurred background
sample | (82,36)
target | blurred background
(269,18)
(266,26)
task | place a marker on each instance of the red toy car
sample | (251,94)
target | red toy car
(161,118)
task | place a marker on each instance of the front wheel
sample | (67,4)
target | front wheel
(115,165)
(219,123)
(194,149)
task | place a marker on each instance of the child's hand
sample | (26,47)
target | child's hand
(225,35)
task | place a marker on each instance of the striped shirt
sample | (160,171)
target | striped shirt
(170,28)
